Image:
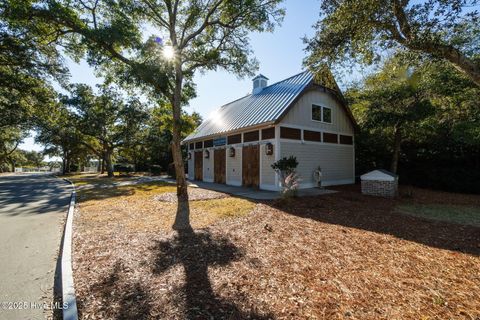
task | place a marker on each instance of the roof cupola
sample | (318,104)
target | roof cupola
(259,82)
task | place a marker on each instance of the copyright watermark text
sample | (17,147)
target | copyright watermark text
(28,305)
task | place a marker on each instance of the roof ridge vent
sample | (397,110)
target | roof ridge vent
(259,82)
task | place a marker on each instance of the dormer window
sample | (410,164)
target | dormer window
(322,114)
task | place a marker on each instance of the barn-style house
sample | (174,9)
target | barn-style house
(294,117)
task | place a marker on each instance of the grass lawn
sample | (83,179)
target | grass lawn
(338,256)
(449,213)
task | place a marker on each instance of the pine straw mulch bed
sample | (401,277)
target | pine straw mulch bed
(194,194)
(338,256)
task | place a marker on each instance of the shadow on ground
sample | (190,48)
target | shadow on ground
(32,194)
(349,208)
(130,297)
(108,189)
(196,251)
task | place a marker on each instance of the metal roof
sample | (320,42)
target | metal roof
(263,107)
(379,175)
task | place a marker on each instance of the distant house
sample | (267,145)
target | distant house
(296,116)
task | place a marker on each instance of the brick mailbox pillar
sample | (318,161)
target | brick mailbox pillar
(381,183)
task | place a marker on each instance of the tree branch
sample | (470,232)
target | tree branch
(157,14)
(399,12)
(206,23)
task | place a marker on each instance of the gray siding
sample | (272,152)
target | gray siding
(208,167)
(301,113)
(191,165)
(267,173)
(234,167)
(336,162)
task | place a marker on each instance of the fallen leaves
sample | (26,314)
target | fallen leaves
(338,256)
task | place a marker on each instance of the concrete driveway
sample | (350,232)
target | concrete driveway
(32,211)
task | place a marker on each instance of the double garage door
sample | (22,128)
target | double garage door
(250,165)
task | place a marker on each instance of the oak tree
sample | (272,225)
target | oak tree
(184,37)
(362,30)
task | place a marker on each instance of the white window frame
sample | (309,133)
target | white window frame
(331,115)
(321,113)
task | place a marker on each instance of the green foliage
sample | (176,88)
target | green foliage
(287,165)
(33,158)
(440,145)
(364,30)
(106,117)
(203,35)
(10,138)
(28,59)
(85,124)
(123,168)
(285,168)
(206,35)
(156,170)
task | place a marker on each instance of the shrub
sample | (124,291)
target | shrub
(156,170)
(290,187)
(123,168)
(285,168)
(287,165)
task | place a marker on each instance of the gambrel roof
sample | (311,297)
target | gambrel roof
(266,107)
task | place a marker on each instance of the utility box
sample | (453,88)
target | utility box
(381,183)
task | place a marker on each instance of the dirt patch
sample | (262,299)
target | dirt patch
(194,194)
(338,256)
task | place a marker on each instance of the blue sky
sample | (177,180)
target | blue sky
(280,55)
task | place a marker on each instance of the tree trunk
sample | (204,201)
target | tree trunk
(66,166)
(103,163)
(99,166)
(182,218)
(397,141)
(64,169)
(108,158)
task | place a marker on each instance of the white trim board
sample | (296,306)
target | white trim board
(296,126)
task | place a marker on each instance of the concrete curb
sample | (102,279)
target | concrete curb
(68,290)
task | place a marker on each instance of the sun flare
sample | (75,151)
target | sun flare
(168,52)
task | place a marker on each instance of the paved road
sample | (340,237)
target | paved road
(32,210)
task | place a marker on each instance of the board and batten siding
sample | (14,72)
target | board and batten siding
(336,162)
(234,167)
(191,165)
(301,113)
(267,176)
(208,166)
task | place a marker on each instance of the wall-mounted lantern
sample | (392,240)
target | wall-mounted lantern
(207,154)
(269,149)
(231,152)
(189,156)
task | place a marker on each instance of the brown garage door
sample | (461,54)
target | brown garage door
(219,166)
(199,165)
(251,166)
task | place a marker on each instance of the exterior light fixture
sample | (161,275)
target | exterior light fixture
(189,156)
(231,152)
(269,149)
(207,154)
